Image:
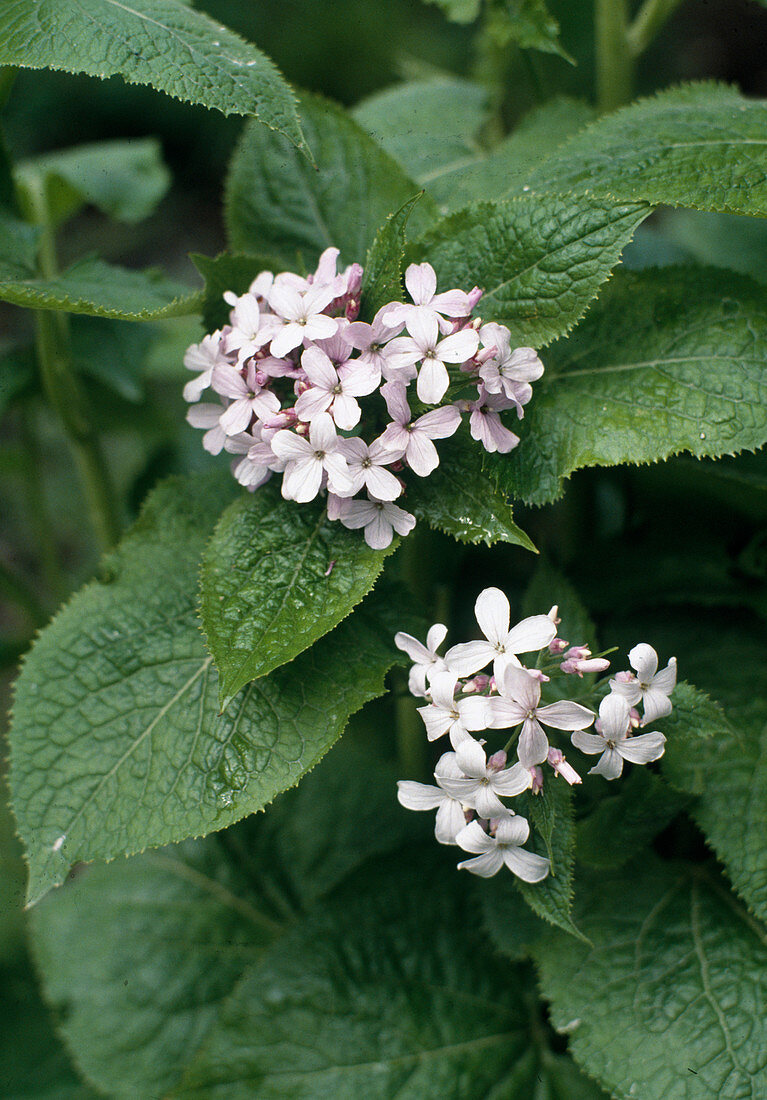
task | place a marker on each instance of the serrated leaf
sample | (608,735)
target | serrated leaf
(502,171)
(700,145)
(683,968)
(101,290)
(463,500)
(530,24)
(624,822)
(551,816)
(694,720)
(117,742)
(666,361)
(276,576)
(125,179)
(198,916)
(277,203)
(162,43)
(383,266)
(429,126)
(369,998)
(233,271)
(540,259)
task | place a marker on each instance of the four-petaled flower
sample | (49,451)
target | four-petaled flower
(501,644)
(306,460)
(482,785)
(614,740)
(520,702)
(412,439)
(505,847)
(650,686)
(446,714)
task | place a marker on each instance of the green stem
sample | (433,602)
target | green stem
(648,22)
(63,390)
(39,512)
(614,60)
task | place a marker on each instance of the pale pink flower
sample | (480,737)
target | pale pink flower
(202,357)
(504,848)
(485,422)
(556,758)
(208,416)
(481,785)
(301,315)
(426,660)
(421,796)
(520,702)
(333,391)
(501,644)
(374,342)
(446,714)
(614,741)
(424,346)
(366,468)
(248,332)
(412,440)
(307,460)
(421,283)
(509,371)
(649,685)
(380,518)
(248,398)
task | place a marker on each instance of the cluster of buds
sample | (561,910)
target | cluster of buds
(289,369)
(482,685)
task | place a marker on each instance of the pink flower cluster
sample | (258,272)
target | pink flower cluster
(288,370)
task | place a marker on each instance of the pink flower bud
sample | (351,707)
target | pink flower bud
(497,761)
(635,719)
(556,759)
(625,677)
(558,645)
(577,653)
(301,428)
(474,296)
(476,683)
(593,664)
(352,309)
(261,378)
(541,677)
(537,775)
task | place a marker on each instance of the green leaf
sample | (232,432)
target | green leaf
(730,772)
(626,821)
(530,24)
(458,11)
(666,361)
(124,179)
(669,1001)
(383,267)
(227,271)
(551,816)
(112,352)
(429,126)
(501,171)
(18,370)
(117,742)
(278,204)
(33,1064)
(163,43)
(99,289)
(723,240)
(18,244)
(701,145)
(695,720)
(539,259)
(462,500)
(389,990)
(198,916)
(276,576)
(510,922)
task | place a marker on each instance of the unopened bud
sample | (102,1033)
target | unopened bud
(537,784)
(558,645)
(556,759)
(477,683)
(302,429)
(474,296)
(635,719)
(497,761)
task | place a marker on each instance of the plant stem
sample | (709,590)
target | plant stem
(39,512)
(648,21)
(614,60)
(63,390)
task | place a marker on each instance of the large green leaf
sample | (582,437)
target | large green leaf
(163,43)
(627,819)
(198,916)
(382,282)
(232,271)
(99,289)
(429,126)
(551,816)
(540,260)
(118,743)
(700,145)
(125,179)
(275,577)
(390,990)
(670,999)
(503,170)
(277,203)
(667,361)
(462,500)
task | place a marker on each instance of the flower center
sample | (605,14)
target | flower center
(337,389)
(366,464)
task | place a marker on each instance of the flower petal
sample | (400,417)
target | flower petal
(419,796)
(644,659)
(533,744)
(531,634)
(610,765)
(473,838)
(644,748)
(492,611)
(566,715)
(526,865)
(450,820)
(485,865)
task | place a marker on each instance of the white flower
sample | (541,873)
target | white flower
(614,742)
(508,372)
(421,283)
(412,439)
(302,316)
(649,685)
(248,398)
(248,334)
(332,390)
(423,345)
(201,357)
(444,714)
(208,416)
(519,702)
(374,341)
(426,660)
(504,848)
(380,518)
(482,786)
(501,645)
(307,459)
(422,796)
(365,464)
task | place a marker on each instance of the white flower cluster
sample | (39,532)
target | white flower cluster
(288,369)
(464,697)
